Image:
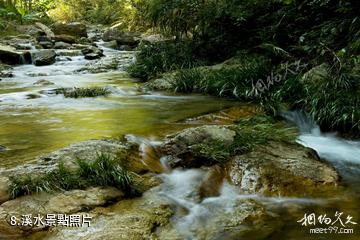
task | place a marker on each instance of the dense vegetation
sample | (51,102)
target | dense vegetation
(272,45)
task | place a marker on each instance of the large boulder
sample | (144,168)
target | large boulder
(9,55)
(123,38)
(75,29)
(69,202)
(46,30)
(43,57)
(65,38)
(282,169)
(127,219)
(196,147)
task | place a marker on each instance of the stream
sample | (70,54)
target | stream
(34,121)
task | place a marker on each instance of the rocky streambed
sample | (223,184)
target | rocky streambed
(205,168)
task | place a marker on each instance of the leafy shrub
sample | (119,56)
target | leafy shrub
(156,58)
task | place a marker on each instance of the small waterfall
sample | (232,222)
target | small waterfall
(303,122)
(343,154)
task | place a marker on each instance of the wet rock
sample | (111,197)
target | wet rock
(9,55)
(6,74)
(164,83)
(62,45)
(75,29)
(43,38)
(134,219)
(43,82)
(44,57)
(2,148)
(4,194)
(81,46)
(46,45)
(91,49)
(46,30)
(77,200)
(92,56)
(23,46)
(68,53)
(65,203)
(32,96)
(246,218)
(111,44)
(85,150)
(65,38)
(284,169)
(194,147)
(102,65)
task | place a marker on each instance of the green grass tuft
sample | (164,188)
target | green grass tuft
(83,92)
(104,171)
(235,81)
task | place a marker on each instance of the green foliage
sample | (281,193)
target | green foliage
(156,58)
(83,92)
(334,101)
(250,133)
(94,11)
(104,171)
(259,130)
(10,12)
(234,81)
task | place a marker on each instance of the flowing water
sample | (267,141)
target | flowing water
(34,121)
(198,217)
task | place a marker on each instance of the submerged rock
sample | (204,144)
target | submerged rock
(43,82)
(44,57)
